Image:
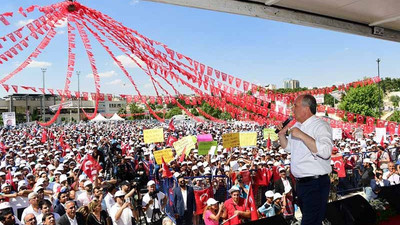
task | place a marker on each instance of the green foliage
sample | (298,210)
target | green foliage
(362,100)
(390,84)
(122,110)
(173,112)
(395,100)
(329,100)
(395,116)
(194,112)
(289,90)
(136,109)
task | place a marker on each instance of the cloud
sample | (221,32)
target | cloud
(61,23)
(104,74)
(39,64)
(133,2)
(128,62)
(115,82)
(22,23)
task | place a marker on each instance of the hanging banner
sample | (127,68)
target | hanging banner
(271,134)
(337,133)
(230,140)
(204,147)
(204,137)
(248,139)
(153,135)
(166,154)
(188,143)
(9,119)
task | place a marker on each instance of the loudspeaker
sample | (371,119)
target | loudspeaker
(391,194)
(274,220)
(354,210)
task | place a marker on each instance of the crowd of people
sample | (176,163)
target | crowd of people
(42,179)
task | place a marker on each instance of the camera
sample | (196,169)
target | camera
(153,195)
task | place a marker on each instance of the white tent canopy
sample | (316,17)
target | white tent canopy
(115,117)
(98,118)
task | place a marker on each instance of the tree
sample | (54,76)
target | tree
(329,100)
(395,116)
(173,112)
(362,100)
(136,109)
(395,100)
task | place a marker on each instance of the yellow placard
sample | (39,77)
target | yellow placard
(153,135)
(189,142)
(230,140)
(271,133)
(166,154)
(248,139)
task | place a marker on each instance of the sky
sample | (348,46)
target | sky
(257,50)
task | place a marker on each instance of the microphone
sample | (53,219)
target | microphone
(287,121)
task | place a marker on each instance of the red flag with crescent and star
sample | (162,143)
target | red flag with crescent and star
(201,198)
(338,166)
(90,167)
(251,204)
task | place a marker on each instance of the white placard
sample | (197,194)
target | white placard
(379,133)
(9,119)
(319,99)
(337,133)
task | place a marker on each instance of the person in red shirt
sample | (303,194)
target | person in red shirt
(235,210)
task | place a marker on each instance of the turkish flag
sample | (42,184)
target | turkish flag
(251,203)
(90,167)
(269,142)
(166,173)
(391,127)
(321,108)
(44,136)
(171,125)
(380,123)
(360,119)
(339,166)
(350,117)
(201,198)
(9,179)
(370,121)
(171,140)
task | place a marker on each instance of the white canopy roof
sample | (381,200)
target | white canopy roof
(115,117)
(99,117)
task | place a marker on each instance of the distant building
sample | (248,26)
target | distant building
(292,84)
(28,106)
(270,86)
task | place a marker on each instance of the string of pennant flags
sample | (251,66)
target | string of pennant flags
(241,99)
(366,122)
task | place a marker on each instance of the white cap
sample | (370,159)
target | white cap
(367,160)
(37,189)
(5,185)
(88,182)
(119,194)
(63,178)
(151,182)
(211,202)
(5,205)
(277,195)
(233,189)
(269,194)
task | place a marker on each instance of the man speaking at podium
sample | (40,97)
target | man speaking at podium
(310,144)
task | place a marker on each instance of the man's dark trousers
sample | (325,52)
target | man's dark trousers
(312,200)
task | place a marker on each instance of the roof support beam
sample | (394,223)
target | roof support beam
(271,2)
(257,9)
(387,20)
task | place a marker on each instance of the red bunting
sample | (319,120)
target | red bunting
(6,87)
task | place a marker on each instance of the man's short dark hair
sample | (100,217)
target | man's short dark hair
(45,202)
(310,102)
(47,215)
(4,213)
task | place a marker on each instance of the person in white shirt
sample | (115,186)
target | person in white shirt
(310,144)
(30,219)
(154,203)
(121,212)
(71,216)
(85,197)
(33,207)
(109,198)
(392,176)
